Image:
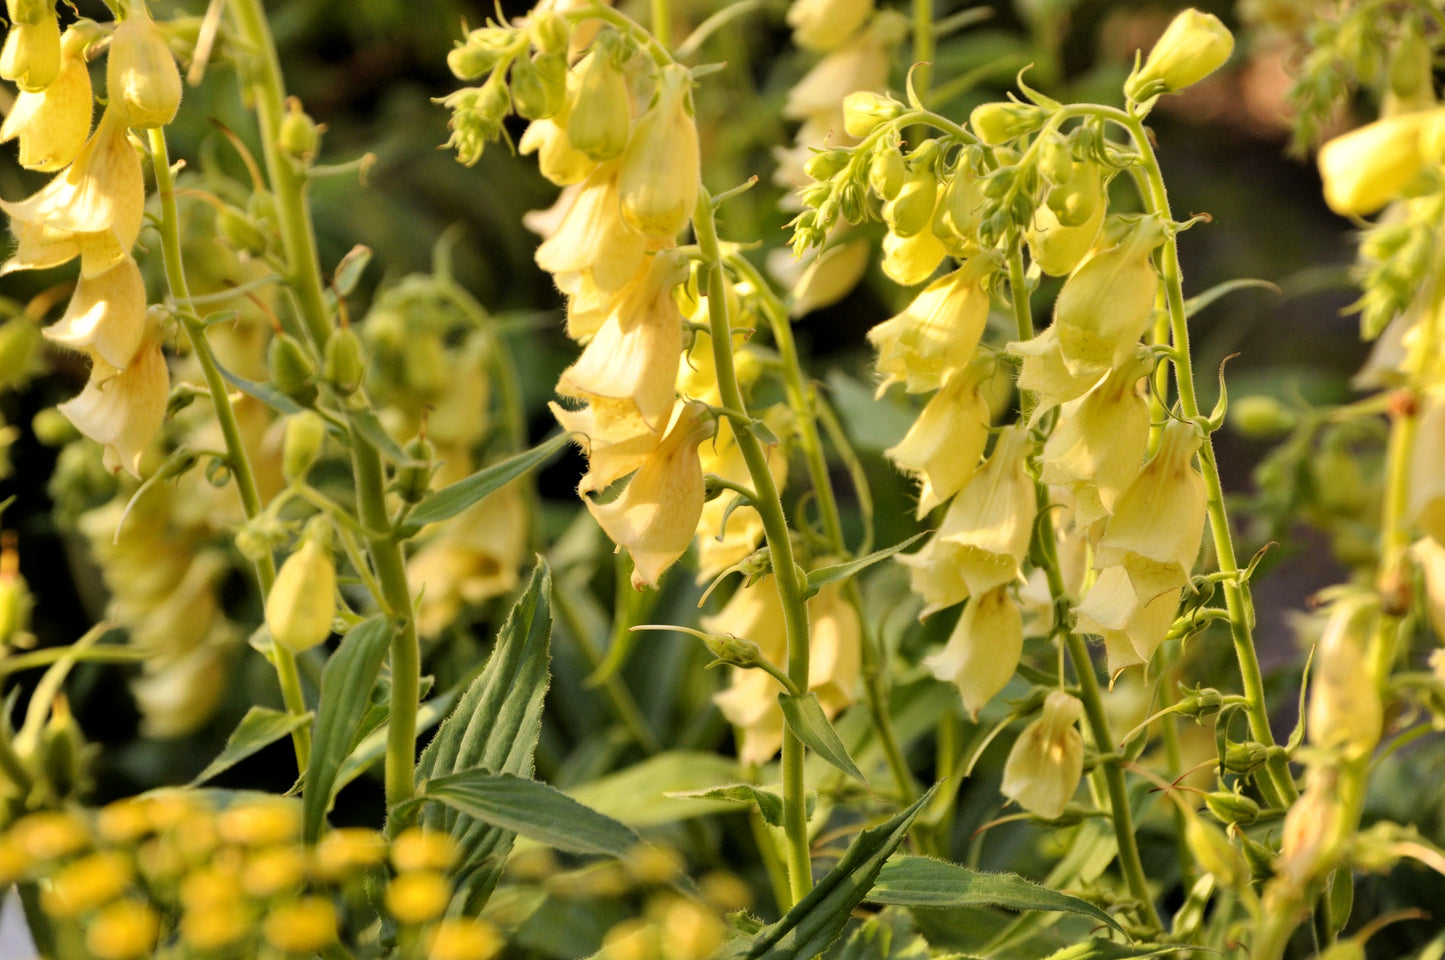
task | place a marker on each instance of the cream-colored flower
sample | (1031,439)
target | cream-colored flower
(633,355)
(474,556)
(1371,165)
(1131,627)
(820,278)
(911,260)
(593,237)
(302,602)
(601,115)
(937,334)
(178,694)
(142,82)
(719,546)
(826,24)
(983,650)
(943,447)
(1345,712)
(52,124)
(859,64)
(1048,376)
(123,409)
(1047,760)
(1058,248)
(31,56)
(1429,553)
(1105,305)
(658,182)
(656,515)
(614,437)
(106,315)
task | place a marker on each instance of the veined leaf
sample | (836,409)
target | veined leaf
(346,685)
(453,499)
(769,804)
(804,716)
(925,882)
(823,576)
(1199,301)
(533,809)
(258,729)
(371,746)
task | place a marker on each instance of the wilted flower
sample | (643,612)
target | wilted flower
(1047,760)
(983,650)
(660,168)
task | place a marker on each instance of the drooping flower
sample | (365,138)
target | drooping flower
(911,260)
(1045,373)
(1371,165)
(1345,712)
(983,650)
(826,24)
(302,602)
(142,82)
(593,238)
(658,182)
(1047,760)
(473,557)
(31,55)
(107,315)
(123,409)
(943,447)
(937,334)
(1105,305)
(1131,627)
(52,124)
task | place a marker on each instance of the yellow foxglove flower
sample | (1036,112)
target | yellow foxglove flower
(633,355)
(302,602)
(1058,248)
(937,334)
(912,260)
(826,24)
(835,644)
(123,409)
(31,55)
(53,124)
(474,556)
(601,114)
(557,159)
(660,168)
(1098,445)
(985,534)
(1046,373)
(1371,165)
(821,279)
(593,237)
(983,650)
(614,437)
(1345,711)
(1427,481)
(1105,305)
(1158,521)
(943,447)
(1194,45)
(107,315)
(1132,627)
(1047,760)
(656,515)
(859,64)
(92,209)
(176,694)
(142,82)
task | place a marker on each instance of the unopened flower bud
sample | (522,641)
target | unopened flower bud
(31,55)
(658,182)
(997,123)
(823,164)
(864,110)
(1047,760)
(141,77)
(1411,71)
(1078,199)
(241,231)
(1056,161)
(886,171)
(15,599)
(1230,807)
(1245,758)
(63,754)
(343,366)
(1261,416)
(305,433)
(1345,712)
(1213,852)
(1194,45)
(538,93)
(468,61)
(299,134)
(601,117)
(734,651)
(302,602)
(550,32)
(292,371)
(413,477)
(911,211)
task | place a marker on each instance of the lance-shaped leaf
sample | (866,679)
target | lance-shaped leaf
(454,498)
(804,716)
(535,810)
(925,882)
(346,685)
(258,729)
(769,804)
(821,577)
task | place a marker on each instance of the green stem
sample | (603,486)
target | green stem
(661,22)
(303,272)
(787,575)
(923,49)
(237,456)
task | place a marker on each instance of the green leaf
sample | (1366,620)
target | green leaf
(274,399)
(925,882)
(888,936)
(346,685)
(258,729)
(804,716)
(494,727)
(1198,302)
(350,269)
(364,422)
(1110,950)
(372,745)
(453,499)
(641,795)
(817,920)
(769,804)
(533,809)
(821,577)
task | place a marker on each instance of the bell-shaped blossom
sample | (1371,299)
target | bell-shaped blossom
(859,64)
(983,650)
(31,55)
(1131,627)
(1105,305)
(123,409)
(1045,374)
(658,182)
(473,557)
(92,209)
(141,79)
(943,447)
(106,315)
(1058,248)
(656,514)
(593,238)
(633,355)
(601,115)
(1158,521)
(1370,166)
(937,334)
(1098,445)
(614,437)
(1345,711)
(1426,506)
(52,124)
(820,278)
(826,24)
(912,260)
(302,603)
(985,534)
(1047,760)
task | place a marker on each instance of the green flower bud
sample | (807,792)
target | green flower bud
(601,116)
(343,366)
(1194,45)
(1230,807)
(1245,758)
(292,371)
(886,171)
(864,110)
(141,77)
(413,478)
(550,32)
(736,651)
(302,602)
(1261,416)
(470,62)
(1411,70)
(537,95)
(824,164)
(1213,852)
(997,123)
(911,211)
(1075,201)
(301,446)
(241,231)
(299,135)
(64,758)
(1056,161)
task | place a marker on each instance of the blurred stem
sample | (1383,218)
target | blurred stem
(662,22)
(238,459)
(801,400)
(923,49)
(1109,761)
(303,272)
(787,575)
